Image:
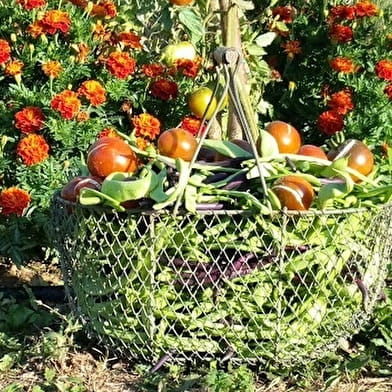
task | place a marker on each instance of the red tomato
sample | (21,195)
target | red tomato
(360,158)
(294,193)
(312,151)
(180,2)
(287,137)
(71,190)
(111,154)
(177,143)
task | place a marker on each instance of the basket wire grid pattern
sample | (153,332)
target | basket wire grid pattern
(279,289)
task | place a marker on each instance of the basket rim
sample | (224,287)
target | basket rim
(183,212)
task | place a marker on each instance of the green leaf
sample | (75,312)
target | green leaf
(50,374)
(193,23)
(227,148)
(265,39)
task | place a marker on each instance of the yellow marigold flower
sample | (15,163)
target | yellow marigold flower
(52,68)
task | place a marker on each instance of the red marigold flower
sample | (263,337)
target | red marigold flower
(93,91)
(342,64)
(31,4)
(330,122)
(14,68)
(285,13)
(188,67)
(342,12)
(192,125)
(5,51)
(341,102)
(14,201)
(292,48)
(54,21)
(52,68)
(33,149)
(153,70)
(30,119)
(105,9)
(365,8)
(108,132)
(164,89)
(67,103)
(121,64)
(341,33)
(36,29)
(384,69)
(146,125)
(129,39)
(388,90)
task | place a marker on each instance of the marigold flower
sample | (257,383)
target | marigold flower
(146,125)
(330,122)
(108,132)
(52,68)
(192,125)
(188,67)
(383,69)
(388,91)
(105,9)
(164,89)
(142,143)
(14,201)
(67,103)
(100,32)
(129,39)
(341,33)
(30,119)
(14,68)
(342,64)
(285,13)
(93,91)
(31,4)
(153,70)
(342,12)
(341,102)
(36,29)
(121,64)
(32,149)
(365,8)
(83,52)
(292,48)
(5,51)
(82,116)
(54,21)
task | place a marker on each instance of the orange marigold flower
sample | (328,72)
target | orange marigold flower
(104,9)
(30,119)
(164,89)
(36,29)
(342,64)
(33,149)
(188,67)
(153,70)
(342,12)
(83,50)
(93,91)
(192,125)
(14,201)
(67,103)
(31,4)
(341,102)
(101,32)
(146,125)
(384,69)
(341,33)
(14,68)
(108,132)
(52,68)
(388,91)
(5,51)
(121,64)
(330,122)
(54,21)
(292,48)
(142,143)
(82,116)
(285,13)
(129,39)
(365,8)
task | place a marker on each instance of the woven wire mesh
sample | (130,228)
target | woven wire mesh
(281,289)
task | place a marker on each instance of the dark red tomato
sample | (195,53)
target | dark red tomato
(72,190)
(312,151)
(360,158)
(111,154)
(287,137)
(177,143)
(294,193)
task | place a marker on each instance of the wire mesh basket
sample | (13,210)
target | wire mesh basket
(223,284)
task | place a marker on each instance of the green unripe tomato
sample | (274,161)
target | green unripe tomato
(181,50)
